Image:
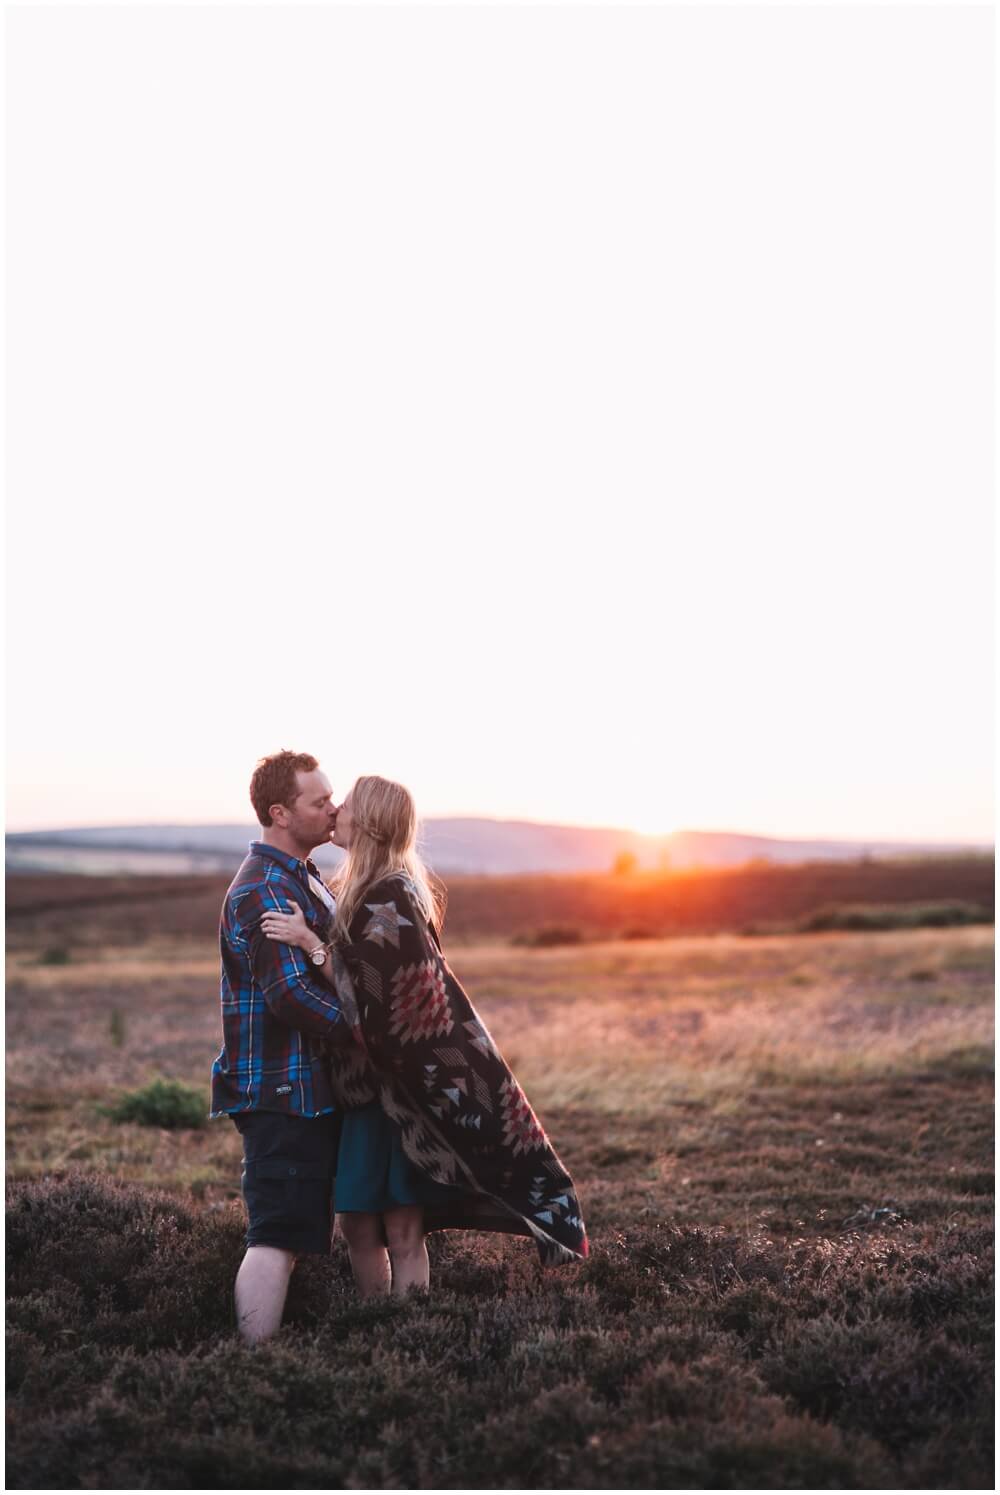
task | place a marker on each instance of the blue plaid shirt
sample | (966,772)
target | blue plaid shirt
(275,1008)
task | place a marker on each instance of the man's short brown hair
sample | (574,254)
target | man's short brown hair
(274,783)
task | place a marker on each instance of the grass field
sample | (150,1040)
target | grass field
(783,1147)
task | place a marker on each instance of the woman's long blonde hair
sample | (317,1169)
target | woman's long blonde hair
(384,841)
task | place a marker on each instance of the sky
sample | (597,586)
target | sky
(579,413)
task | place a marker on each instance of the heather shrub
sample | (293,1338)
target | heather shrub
(673,1357)
(875,1376)
(164,1103)
(120,1266)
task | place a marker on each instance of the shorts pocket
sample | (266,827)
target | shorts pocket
(288,1202)
(289,1168)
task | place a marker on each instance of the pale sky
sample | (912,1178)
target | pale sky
(581,414)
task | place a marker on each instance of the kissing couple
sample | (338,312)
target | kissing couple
(357,1071)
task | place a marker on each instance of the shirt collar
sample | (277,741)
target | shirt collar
(297,867)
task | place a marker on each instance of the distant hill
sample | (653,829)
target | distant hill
(461,845)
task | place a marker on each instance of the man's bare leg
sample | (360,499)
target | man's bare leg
(261,1289)
(366,1248)
(404,1228)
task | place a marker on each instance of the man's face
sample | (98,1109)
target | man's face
(310,818)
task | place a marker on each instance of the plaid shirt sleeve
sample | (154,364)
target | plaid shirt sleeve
(283,974)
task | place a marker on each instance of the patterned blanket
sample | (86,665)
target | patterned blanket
(425,1054)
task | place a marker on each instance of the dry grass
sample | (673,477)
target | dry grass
(618,1028)
(628,1028)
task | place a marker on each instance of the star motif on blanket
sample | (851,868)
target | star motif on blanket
(384,924)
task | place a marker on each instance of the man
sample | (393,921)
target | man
(271,1077)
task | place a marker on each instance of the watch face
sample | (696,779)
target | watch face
(319,957)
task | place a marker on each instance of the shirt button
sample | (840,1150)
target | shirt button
(292,1172)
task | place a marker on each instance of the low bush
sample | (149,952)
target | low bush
(166,1103)
(673,1357)
(548,935)
(55,955)
(867,916)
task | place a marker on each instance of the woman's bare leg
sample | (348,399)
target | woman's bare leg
(366,1248)
(404,1229)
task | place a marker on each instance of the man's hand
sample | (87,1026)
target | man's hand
(290,929)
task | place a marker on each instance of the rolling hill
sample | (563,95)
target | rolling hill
(459,845)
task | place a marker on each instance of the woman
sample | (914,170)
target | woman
(437,1132)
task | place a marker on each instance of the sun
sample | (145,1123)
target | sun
(657,828)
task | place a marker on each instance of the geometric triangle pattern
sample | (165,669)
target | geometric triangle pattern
(419,1002)
(462,1116)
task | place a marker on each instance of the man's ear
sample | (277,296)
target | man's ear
(279,815)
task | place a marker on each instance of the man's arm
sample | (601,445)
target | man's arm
(283,973)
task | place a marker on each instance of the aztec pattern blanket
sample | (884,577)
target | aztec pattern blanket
(426,1055)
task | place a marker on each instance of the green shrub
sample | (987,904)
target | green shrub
(166,1103)
(548,935)
(867,916)
(55,955)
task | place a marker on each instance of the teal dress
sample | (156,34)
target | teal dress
(373,1172)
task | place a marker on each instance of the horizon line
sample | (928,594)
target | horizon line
(108,825)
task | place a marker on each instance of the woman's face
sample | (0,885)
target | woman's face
(343,830)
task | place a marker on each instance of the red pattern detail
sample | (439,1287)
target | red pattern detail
(521,1128)
(419,1006)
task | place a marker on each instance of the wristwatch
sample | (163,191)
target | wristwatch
(318,956)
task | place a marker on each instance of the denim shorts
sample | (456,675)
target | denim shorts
(288,1168)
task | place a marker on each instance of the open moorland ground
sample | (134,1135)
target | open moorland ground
(783,1147)
(758,897)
